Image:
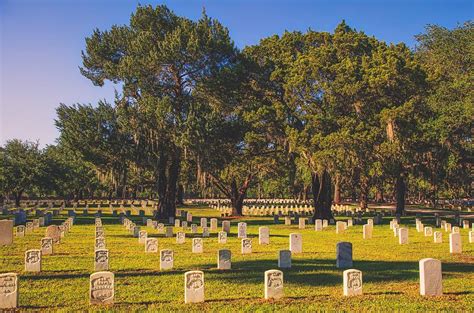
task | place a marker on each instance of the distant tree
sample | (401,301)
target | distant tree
(21,168)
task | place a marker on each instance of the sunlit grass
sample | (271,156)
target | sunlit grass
(313,283)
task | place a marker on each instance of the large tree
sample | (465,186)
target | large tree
(158,59)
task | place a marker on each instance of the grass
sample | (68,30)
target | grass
(390,270)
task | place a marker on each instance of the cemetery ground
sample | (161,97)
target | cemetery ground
(390,270)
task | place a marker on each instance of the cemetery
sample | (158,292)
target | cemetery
(314,156)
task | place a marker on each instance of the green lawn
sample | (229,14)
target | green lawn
(390,270)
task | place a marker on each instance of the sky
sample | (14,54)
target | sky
(41,42)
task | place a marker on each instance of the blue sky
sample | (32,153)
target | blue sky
(41,42)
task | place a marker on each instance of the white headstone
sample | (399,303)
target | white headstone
(166,259)
(242,230)
(273,284)
(101,260)
(455,245)
(246,245)
(151,245)
(101,288)
(302,223)
(296,243)
(403,236)
(438,237)
(33,260)
(142,236)
(263,235)
(197,245)
(431,283)
(428,231)
(180,237)
(352,281)
(47,246)
(318,225)
(340,227)
(203,222)
(213,224)
(471,236)
(193,287)
(8,291)
(367,231)
(222,237)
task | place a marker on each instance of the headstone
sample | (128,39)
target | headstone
(246,246)
(296,243)
(455,245)
(47,246)
(340,227)
(177,223)
(284,259)
(403,236)
(189,217)
(101,260)
(302,223)
(197,245)
(213,224)
(367,231)
(222,237)
(431,283)
(99,243)
(226,226)
(151,245)
(438,237)
(194,228)
(20,231)
(447,227)
(136,231)
(287,220)
(169,231)
(263,235)
(203,222)
(242,230)
(166,259)
(101,288)
(471,236)
(193,287)
(318,225)
(6,232)
(428,231)
(184,225)
(205,232)
(465,224)
(33,260)
(142,236)
(344,254)
(8,291)
(273,284)
(352,281)
(54,233)
(160,227)
(171,220)
(224,259)
(180,237)
(455,229)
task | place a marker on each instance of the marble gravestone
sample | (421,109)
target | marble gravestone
(33,260)
(180,237)
(8,291)
(47,246)
(101,288)
(224,259)
(428,231)
(318,225)
(352,282)
(296,243)
(242,230)
(193,287)
(273,284)
(166,259)
(222,237)
(403,236)
(367,231)
(246,247)
(101,260)
(455,245)
(213,224)
(438,237)
(263,235)
(226,226)
(6,232)
(344,254)
(142,236)
(197,245)
(151,245)
(431,283)
(284,259)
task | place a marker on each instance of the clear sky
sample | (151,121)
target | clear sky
(41,42)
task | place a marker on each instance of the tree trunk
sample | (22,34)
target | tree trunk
(18,198)
(379,196)
(180,200)
(337,190)
(322,195)
(364,192)
(167,207)
(400,191)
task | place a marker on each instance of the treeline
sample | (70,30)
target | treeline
(314,114)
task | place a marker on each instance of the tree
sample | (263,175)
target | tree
(159,59)
(21,168)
